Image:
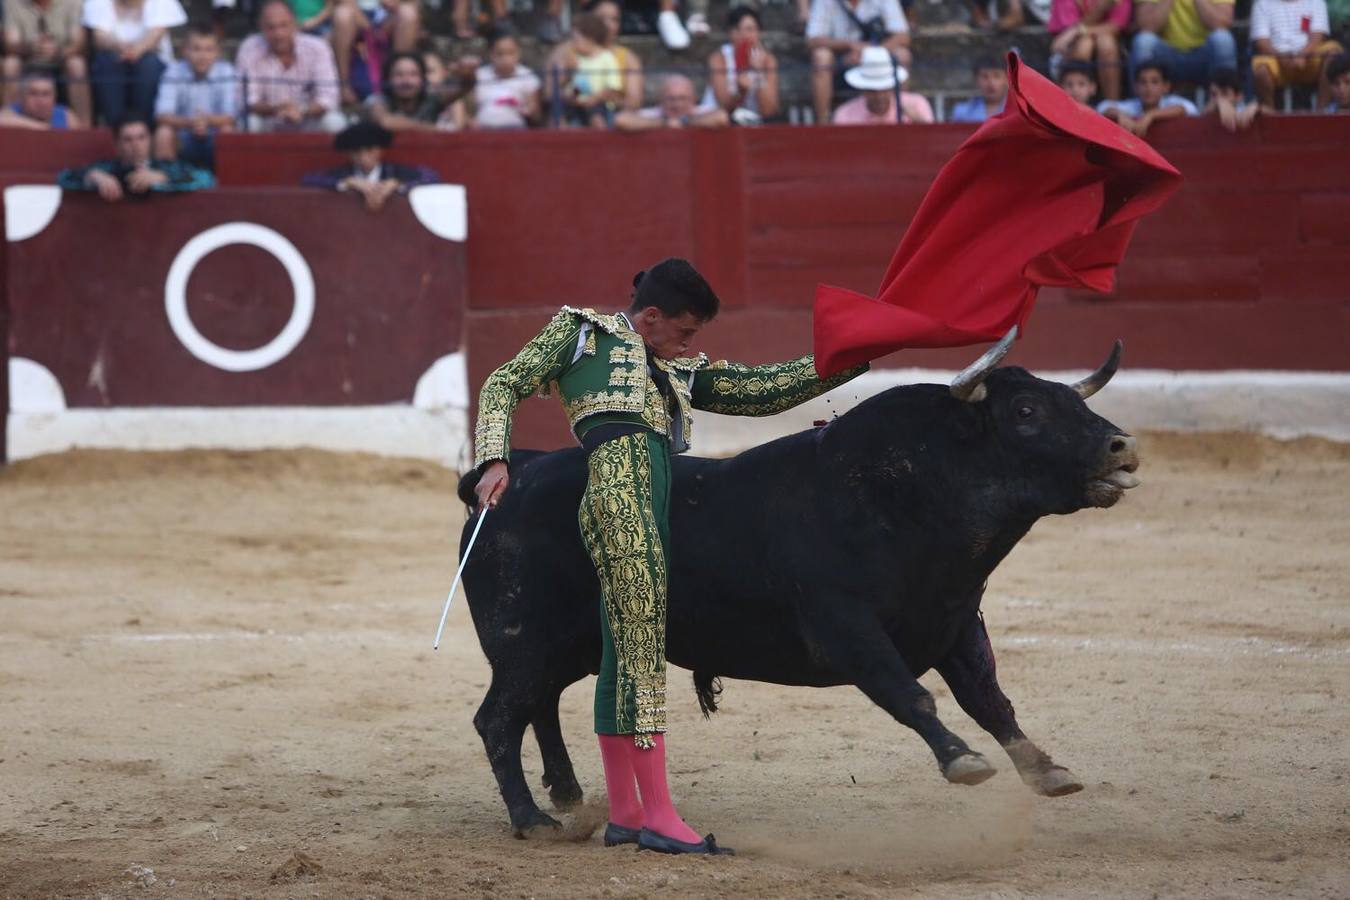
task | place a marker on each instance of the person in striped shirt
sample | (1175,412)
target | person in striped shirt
(1290,46)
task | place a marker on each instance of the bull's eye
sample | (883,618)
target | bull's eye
(1025,412)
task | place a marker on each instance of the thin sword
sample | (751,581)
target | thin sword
(482,517)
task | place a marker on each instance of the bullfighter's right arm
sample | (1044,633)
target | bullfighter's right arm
(736,390)
(541,361)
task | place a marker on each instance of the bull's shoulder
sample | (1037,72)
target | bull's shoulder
(610,324)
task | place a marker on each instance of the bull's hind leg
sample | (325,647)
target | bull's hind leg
(501,722)
(855,646)
(969,672)
(559,778)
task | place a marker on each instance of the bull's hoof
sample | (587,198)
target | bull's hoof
(1055,781)
(532,823)
(968,768)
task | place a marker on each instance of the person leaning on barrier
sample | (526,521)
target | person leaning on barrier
(47,34)
(290,79)
(198,99)
(37,109)
(676,110)
(368,175)
(134,173)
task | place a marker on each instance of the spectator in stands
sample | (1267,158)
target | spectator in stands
(290,80)
(382,26)
(368,175)
(837,33)
(314,16)
(1079,81)
(405,101)
(983,12)
(676,110)
(991,80)
(134,171)
(1289,38)
(876,77)
(465,30)
(131,40)
(562,62)
(1091,29)
(47,34)
(595,92)
(742,75)
(1153,101)
(37,109)
(1225,101)
(505,93)
(1189,37)
(1338,78)
(198,99)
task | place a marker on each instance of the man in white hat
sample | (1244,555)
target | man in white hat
(877,76)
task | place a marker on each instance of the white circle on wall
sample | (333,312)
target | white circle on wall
(210,240)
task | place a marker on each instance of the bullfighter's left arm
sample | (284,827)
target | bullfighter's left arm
(737,390)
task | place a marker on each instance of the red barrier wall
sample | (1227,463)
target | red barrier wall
(88,299)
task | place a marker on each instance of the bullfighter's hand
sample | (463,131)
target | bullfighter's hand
(492,485)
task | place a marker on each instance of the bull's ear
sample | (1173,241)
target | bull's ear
(969,384)
(1098,379)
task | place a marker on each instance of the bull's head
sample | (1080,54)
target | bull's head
(1048,428)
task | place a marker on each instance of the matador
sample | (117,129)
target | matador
(628,389)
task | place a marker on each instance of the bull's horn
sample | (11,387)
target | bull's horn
(969,385)
(1098,379)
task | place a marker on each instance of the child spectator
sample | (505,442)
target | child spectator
(1079,81)
(1153,101)
(46,34)
(742,75)
(991,80)
(1338,80)
(134,172)
(36,108)
(131,40)
(1289,40)
(1090,29)
(596,90)
(368,175)
(198,98)
(562,62)
(505,93)
(876,78)
(1225,101)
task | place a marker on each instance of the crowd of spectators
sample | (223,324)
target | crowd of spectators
(321,65)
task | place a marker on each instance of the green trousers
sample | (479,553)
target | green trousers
(624,525)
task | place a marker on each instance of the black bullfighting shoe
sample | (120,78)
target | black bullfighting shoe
(650,840)
(618,834)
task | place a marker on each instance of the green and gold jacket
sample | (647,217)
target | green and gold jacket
(598,366)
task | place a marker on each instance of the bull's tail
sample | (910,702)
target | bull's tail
(467,483)
(709,688)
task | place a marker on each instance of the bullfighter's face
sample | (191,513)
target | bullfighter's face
(668,336)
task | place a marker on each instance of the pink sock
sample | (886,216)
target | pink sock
(624,808)
(658,812)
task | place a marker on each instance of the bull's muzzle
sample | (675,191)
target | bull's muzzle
(1116,475)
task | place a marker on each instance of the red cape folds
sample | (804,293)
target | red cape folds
(1045,193)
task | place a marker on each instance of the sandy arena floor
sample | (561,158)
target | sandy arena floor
(218,667)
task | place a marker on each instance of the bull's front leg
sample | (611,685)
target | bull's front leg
(857,649)
(969,672)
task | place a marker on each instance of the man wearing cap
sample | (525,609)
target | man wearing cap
(878,76)
(629,392)
(369,175)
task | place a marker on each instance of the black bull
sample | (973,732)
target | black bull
(855,553)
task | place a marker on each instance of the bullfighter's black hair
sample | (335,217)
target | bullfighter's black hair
(675,287)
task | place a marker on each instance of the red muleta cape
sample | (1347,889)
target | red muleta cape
(1045,193)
